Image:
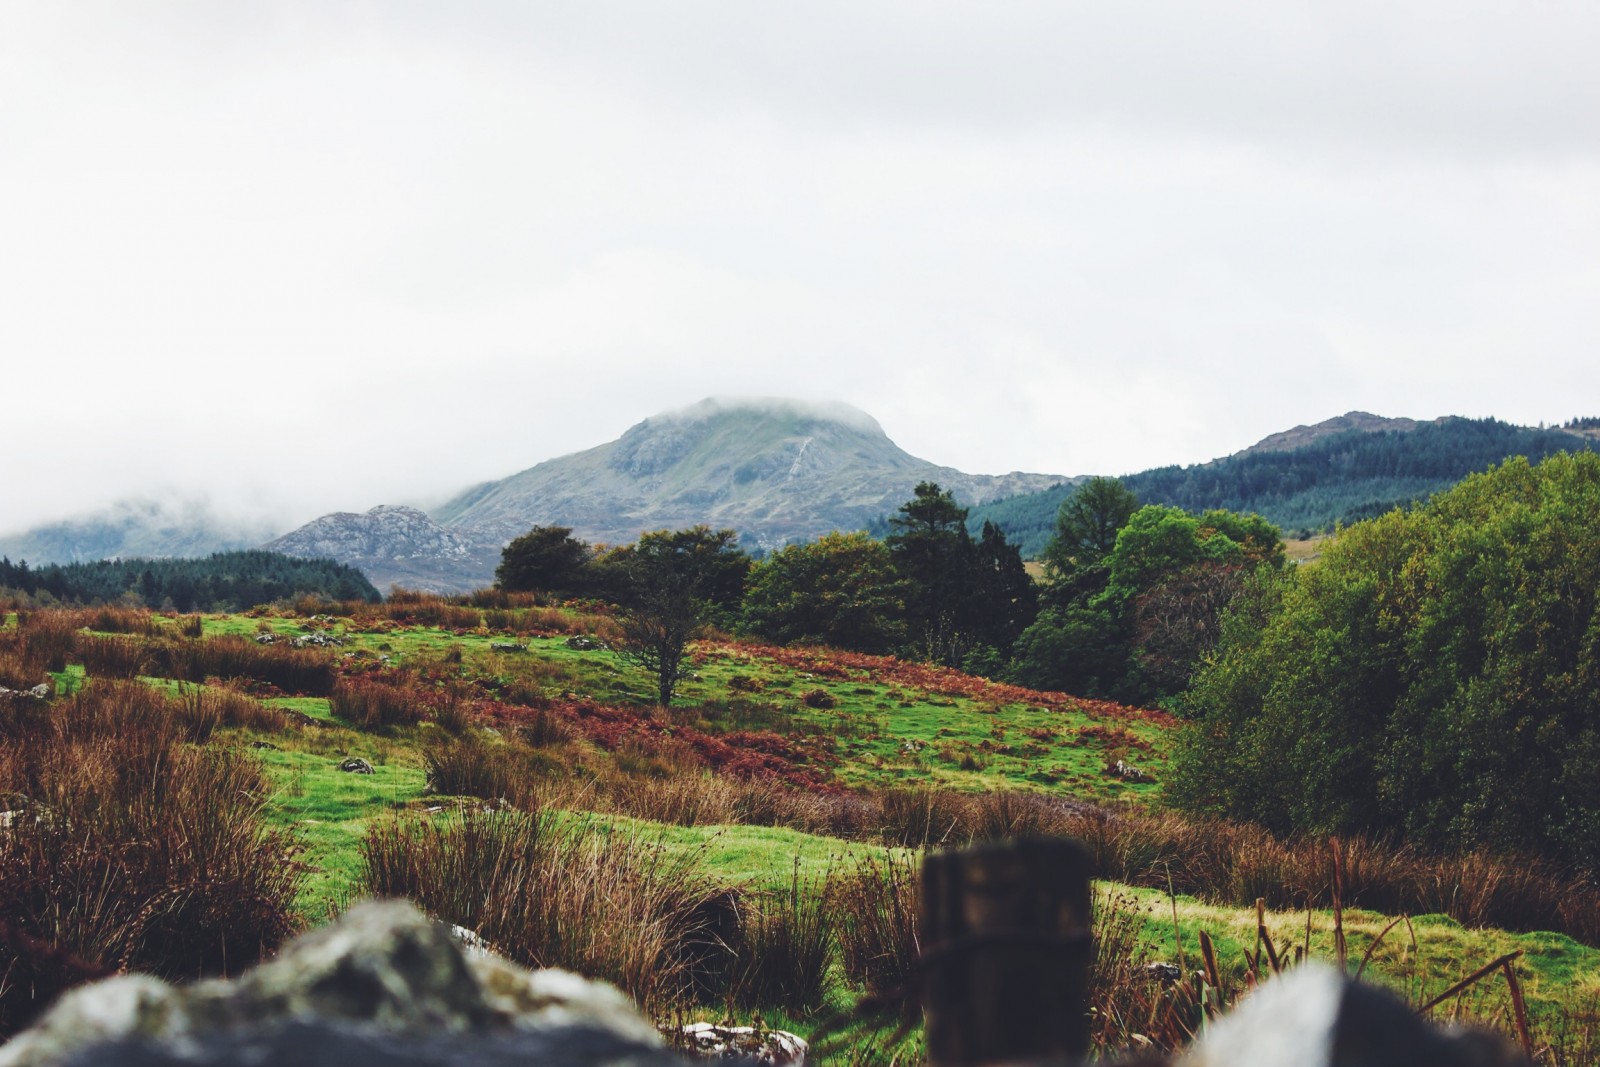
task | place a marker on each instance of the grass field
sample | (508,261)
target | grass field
(811,725)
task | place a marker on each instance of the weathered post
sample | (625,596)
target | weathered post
(1005,953)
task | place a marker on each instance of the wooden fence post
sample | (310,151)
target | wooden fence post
(1005,952)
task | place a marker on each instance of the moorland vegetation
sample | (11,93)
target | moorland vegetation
(758,825)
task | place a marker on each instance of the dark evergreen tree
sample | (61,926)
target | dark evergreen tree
(546,559)
(933,551)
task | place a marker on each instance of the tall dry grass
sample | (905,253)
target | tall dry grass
(554,892)
(126,849)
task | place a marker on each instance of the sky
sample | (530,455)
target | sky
(300,257)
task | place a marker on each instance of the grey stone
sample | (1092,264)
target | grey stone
(716,1042)
(346,994)
(356,765)
(1311,1016)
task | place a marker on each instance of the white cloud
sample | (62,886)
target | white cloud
(326,255)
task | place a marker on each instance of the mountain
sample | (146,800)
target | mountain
(135,528)
(395,546)
(1312,477)
(1302,436)
(775,470)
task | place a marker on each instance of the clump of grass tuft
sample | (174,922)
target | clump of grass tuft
(294,670)
(370,703)
(472,767)
(787,947)
(550,892)
(113,657)
(132,851)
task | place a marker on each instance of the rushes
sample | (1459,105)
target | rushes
(555,893)
(131,850)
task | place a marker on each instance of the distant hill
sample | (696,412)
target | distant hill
(775,470)
(135,528)
(1309,478)
(395,546)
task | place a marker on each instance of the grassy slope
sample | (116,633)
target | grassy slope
(873,720)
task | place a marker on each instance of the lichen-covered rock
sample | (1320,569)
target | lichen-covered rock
(749,1043)
(382,972)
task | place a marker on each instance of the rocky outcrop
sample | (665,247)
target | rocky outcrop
(1301,436)
(393,546)
(384,984)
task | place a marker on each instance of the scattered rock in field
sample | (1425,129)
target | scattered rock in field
(713,1042)
(266,637)
(264,745)
(584,643)
(506,646)
(383,985)
(1127,772)
(38,692)
(1163,972)
(356,765)
(317,639)
(19,806)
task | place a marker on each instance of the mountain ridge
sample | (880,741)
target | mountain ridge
(775,470)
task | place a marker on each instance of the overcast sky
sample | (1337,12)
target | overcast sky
(322,256)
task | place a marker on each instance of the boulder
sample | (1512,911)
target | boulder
(758,1045)
(383,984)
(356,765)
(582,643)
(1312,1016)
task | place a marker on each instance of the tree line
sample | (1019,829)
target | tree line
(1344,478)
(1436,676)
(1129,605)
(223,581)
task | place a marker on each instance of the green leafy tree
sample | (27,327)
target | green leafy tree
(840,590)
(1141,615)
(671,585)
(1437,674)
(546,558)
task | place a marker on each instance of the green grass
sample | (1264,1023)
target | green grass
(1553,967)
(881,735)
(329,810)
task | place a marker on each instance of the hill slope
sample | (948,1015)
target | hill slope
(1341,470)
(775,470)
(395,546)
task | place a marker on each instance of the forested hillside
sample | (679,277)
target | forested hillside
(1343,478)
(224,581)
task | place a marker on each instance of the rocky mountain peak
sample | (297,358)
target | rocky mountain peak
(394,544)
